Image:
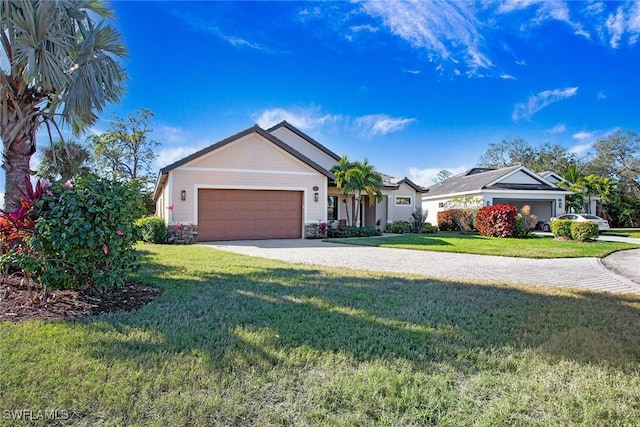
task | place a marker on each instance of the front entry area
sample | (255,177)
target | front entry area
(249,214)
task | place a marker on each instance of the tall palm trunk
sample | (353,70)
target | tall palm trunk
(18,137)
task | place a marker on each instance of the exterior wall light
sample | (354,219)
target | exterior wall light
(316,197)
(183,195)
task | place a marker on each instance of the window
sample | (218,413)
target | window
(441,204)
(332,208)
(403,200)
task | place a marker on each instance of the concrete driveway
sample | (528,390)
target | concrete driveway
(613,274)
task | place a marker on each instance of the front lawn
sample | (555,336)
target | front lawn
(624,232)
(535,247)
(245,341)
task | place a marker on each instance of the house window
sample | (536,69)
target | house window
(403,200)
(332,208)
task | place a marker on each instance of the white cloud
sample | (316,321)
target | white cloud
(545,10)
(359,28)
(167,156)
(616,26)
(559,128)
(601,95)
(381,124)
(580,148)
(447,30)
(303,118)
(504,76)
(425,176)
(170,134)
(412,71)
(543,99)
(624,22)
(583,135)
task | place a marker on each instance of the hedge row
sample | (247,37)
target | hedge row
(580,231)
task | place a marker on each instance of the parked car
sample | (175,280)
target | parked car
(603,224)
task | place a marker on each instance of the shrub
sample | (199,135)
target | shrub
(428,228)
(455,220)
(399,227)
(85,232)
(497,221)
(522,230)
(344,232)
(152,229)
(584,231)
(561,228)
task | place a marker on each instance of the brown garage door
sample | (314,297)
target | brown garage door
(249,214)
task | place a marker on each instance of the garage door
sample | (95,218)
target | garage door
(249,214)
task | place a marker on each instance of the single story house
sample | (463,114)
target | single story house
(263,184)
(591,204)
(515,185)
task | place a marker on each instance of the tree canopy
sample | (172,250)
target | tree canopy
(61,64)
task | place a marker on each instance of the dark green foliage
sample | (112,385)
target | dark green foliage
(399,227)
(344,232)
(522,231)
(561,227)
(428,228)
(85,233)
(584,231)
(497,221)
(152,229)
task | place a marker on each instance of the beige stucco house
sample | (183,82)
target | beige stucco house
(274,183)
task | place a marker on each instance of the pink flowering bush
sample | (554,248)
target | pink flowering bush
(86,231)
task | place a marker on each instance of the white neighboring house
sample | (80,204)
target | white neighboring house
(515,185)
(273,183)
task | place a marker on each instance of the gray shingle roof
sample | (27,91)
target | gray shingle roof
(477,179)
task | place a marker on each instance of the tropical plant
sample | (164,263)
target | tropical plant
(64,160)
(58,62)
(342,183)
(357,179)
(363,180)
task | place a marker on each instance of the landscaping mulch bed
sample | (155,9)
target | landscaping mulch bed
(17,304)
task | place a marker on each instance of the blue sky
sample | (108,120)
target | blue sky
(415,87)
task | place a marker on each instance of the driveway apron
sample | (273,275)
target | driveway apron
(581,273)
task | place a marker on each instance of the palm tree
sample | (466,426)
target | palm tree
(65,160)
(364,179)
(342,182)
(60,63)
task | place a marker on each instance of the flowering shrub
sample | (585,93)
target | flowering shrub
(86,231)
(497,221)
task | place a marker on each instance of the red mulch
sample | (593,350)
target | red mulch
(18,305)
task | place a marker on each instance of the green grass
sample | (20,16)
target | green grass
(624,232)
(235,340)
(535,247)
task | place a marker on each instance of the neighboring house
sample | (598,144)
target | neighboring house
(262,184)
(516,185)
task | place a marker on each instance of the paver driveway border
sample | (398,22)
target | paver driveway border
(580,273)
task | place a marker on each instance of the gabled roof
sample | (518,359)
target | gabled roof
(477,179)
(254,129)
(287,125)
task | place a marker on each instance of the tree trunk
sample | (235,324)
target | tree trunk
(16,157)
